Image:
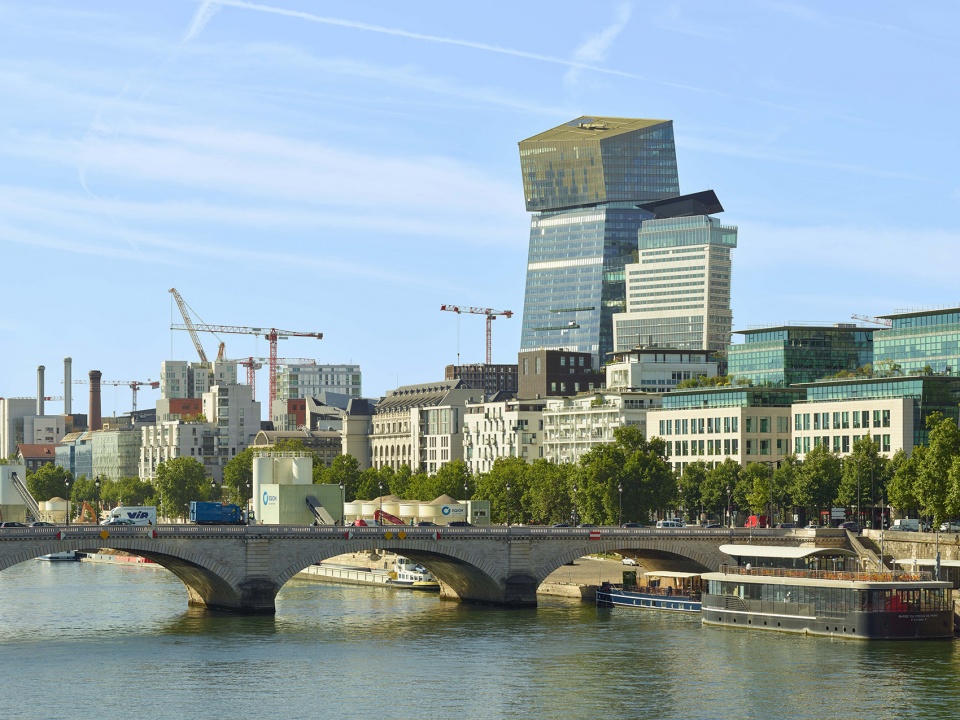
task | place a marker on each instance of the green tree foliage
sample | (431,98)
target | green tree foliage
(817,480)
(238,477)
(548,497)
(756,480)
(718,487)
(346,469)
(903,480)
(692,482)
(179,481)
(49,481)
(126,491)
(860,469)
(369,484)
(505,504)
(933,470)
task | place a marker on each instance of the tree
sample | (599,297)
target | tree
(692,481)
(718,486)
(903,479)
(238,476)
(757,483)
(126,491)
(548,495)
(49,481)
(934,467)
(818,478)
(179,481)
(505,505)
(346,469)
(859,470)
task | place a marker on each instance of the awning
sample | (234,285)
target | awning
(777,551)
(671,574)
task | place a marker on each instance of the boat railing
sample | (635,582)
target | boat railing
(849,575)
(659,591)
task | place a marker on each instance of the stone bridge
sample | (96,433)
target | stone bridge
(242,568)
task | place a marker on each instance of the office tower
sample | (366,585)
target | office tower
(583,181)
(678,287)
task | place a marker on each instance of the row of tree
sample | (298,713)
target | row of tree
(629,479)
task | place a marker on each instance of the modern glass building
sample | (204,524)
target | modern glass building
(583,181)
(678,290)
(785,355)
(920,341)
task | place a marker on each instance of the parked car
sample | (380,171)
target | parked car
(11,524)
(41,523)
(586,525)
(851,526)
(561,525)
(712,526)
(629,561)
(950,527)
(459,523)
(631,525)
(426,523)
(785,526)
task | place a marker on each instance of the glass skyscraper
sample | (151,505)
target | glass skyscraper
(583,181)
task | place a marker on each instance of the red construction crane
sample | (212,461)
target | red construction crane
(252,364)
(269,334)
(491,316)
(134,385)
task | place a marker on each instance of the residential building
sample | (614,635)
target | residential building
(481,376)
(182,379)
(892,411)
(657,369)
(12,414)
(171,439)
(784,355)
(502,428)
(44,428)
(678,287)
(420,426)
(35,455)
(919,341)
(583,181)
(712,425)
(178,408)
(302,381)
(557,373)
(236,415)
(572,426)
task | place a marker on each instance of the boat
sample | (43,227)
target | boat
(663,590)
(821,591)
(407,573)
(68,555)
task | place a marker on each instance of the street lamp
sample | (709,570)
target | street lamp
(381,498)
(729,516)
(620,510)
(67,483)
(573,514)
(99,507)
(465,491)
(507,486)
(343,505)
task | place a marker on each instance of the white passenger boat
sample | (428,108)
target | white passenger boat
(819,591)
(60,556)
(407,573)
(663,590)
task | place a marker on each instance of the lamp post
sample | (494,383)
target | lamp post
(507,486)
(380,484)
(343,505)
(729,516)
(249,502)
(466,490)
(96,484)
(67,483)
(620,507)
(573,514)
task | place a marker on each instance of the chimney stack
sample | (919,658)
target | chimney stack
(40,370)
(95,422)
(67,386)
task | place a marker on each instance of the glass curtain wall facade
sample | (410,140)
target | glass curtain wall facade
(583,181)
(923,341)
(782,356)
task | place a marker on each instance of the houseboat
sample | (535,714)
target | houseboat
(662,590)
(819,591)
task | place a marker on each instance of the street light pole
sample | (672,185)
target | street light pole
(343,506)
(68,501)
(620,508)
(573,515)
(507,486)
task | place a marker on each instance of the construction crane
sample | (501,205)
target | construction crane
(491,316)
(134,385)
(886,322)
(188,321)
(269,334)
(252,364)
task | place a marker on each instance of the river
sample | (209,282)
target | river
(85,640)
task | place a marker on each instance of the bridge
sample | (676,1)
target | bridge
(242,568)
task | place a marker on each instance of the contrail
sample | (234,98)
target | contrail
(207,9)
(397,32)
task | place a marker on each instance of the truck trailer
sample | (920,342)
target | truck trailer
(214,513)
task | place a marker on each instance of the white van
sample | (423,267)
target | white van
(670,523)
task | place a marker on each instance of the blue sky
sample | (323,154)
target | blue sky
(349,167)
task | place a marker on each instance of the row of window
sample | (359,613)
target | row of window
(841,420)
(840,444)
(730,424)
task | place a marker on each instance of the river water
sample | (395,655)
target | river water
(85,640)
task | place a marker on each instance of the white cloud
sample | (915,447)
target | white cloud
(207,9)
(595,49)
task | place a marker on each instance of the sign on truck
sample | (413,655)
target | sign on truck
(139,514)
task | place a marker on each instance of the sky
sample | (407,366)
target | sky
(348,168)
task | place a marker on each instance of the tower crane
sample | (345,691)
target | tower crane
(491,316)
(188,321)
(269,334)
(252,364)
(134,385)
(887,322)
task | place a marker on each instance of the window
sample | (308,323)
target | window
(751,426)
(856,419)
(764,447)
(826,421)
(836,421)
(796,445)
(886,418)
(806,421)
(726,424)
(750,447)
(876,418)
(796,422)
(581,361)
(806,444)
(735,446)
(726,447)
(845,445)
(765,425)
(836,443)
(563,361)
(845,420)
(886,444)
(536,365)
(736,423)
(816,421)
(526,366)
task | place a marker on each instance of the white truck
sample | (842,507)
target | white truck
(139,514)
(906,525)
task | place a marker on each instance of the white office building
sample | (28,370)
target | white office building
(302,381)
(502,429)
